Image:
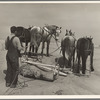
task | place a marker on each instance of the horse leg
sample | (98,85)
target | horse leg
(91,62)
(73,58)
(63,53)
(26,44)
(48,43)
(84,58)
(43,43)
(78,68)
(31,48)
(36,50)
(29,54)
(69,63)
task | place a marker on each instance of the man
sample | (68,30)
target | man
(13,47)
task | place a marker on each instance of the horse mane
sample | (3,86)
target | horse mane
(89,39)
(20,28)
(51,27)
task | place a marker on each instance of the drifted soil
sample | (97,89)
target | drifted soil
(70,85)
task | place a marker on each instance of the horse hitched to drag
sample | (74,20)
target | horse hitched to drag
(24,35)
(68,50)
(43,35)
(85,47)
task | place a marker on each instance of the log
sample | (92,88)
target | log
(45,67)
(41,64)
(50,69)
(44,75)
(34,72)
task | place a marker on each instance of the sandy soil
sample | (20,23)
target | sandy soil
(70,85)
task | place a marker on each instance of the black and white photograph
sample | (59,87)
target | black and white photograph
(50,48)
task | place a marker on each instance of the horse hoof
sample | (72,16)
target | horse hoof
(29,54)
(78,72)
(41,54)
(48,55)
(92,70)
(83,72)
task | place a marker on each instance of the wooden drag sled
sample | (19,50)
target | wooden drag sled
(40,71)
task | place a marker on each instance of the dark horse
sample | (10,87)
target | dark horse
(43,35)
(68,50)
(24,35)
(84,48)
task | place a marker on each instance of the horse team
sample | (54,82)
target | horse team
(83,46)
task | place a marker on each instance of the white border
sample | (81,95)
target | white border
(49,1)
(49,96)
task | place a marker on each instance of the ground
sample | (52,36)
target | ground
(70,85)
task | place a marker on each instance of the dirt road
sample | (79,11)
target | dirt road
(70,85)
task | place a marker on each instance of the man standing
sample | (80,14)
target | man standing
(13,47)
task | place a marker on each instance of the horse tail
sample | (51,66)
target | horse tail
(76,56)
(76,51)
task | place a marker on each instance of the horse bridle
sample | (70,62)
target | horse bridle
(49,34)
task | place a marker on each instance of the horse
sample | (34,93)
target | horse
(49,32)
(85,47)
(36,38)
(43,35)
(24,35)
(68,50)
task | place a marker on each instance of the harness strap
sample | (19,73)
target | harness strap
(46,30)
(23,33)
(48,34)
(88,49)
(9,41)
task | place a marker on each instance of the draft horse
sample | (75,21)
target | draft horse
(49,31)
(43,35)
(24,35)
(36,38)
(68,50)
(85,47)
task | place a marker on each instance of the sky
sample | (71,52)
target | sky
(81,18)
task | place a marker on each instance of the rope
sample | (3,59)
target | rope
(18,82)
(11,83)
(55,50)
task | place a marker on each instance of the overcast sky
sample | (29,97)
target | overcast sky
(81,18)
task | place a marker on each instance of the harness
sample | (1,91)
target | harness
(50,33)
(23,34)
(89,47)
